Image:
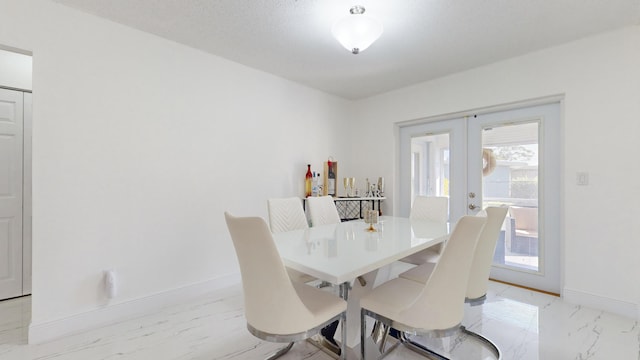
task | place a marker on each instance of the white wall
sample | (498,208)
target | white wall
(600,79)
(139,146)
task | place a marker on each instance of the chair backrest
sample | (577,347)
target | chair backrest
(271,303)
(286,214)
(322,211)
(481,266)
(440,305)
(434,208)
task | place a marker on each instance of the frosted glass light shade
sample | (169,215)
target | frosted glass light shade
(356,32)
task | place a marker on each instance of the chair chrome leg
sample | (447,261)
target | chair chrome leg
(380,334)
(420,349)
(428,352)
(363,330)
(280,352)
(476,301)
(492,345)
(343,335)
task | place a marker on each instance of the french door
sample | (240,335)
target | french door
(507,158)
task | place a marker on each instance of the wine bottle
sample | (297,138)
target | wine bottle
(331,180)
(308,181)
(314,184)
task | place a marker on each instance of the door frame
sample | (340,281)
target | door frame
(27,198)
(402,203)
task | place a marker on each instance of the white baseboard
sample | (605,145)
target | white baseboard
(615,306)
(43,332)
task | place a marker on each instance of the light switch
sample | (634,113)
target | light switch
(582,178)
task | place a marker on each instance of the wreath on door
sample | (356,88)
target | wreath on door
(488,162)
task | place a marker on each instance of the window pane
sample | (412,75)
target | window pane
(510,178)
(430,165)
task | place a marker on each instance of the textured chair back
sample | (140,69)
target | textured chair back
(271,303)
(481,266)
(286,215)
(441,302)
(322,211)
(434,208)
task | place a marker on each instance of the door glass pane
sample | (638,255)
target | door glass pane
(510,178)
(430,165)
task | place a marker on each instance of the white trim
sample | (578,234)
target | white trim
(615,306)
(27,198)
(43,332)
(544,100)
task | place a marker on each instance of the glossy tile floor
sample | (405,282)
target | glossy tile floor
(524,324)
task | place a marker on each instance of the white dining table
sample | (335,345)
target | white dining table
(340,253)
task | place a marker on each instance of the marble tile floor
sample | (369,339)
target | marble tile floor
(526,325)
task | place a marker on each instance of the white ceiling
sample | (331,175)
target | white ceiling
(423,39)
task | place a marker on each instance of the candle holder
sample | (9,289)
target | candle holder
(371,218)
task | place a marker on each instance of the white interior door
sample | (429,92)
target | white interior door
(11,197)
(520,169)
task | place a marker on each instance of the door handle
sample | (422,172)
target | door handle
(472,207)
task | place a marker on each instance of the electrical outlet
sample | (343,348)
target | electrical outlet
(110,285)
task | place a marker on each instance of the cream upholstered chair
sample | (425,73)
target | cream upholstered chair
(479,276)
(481,266)
(435,307)
(435,208)
(322,211)
(277,309)
(286,214)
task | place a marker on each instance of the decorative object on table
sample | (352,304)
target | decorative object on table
(308,182)
(380,187)
(315,189)
(374,190)
(371,218)
(331,171)
(352,184)
(345,181)
(349,184)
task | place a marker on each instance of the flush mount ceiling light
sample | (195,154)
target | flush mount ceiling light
(357,31)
